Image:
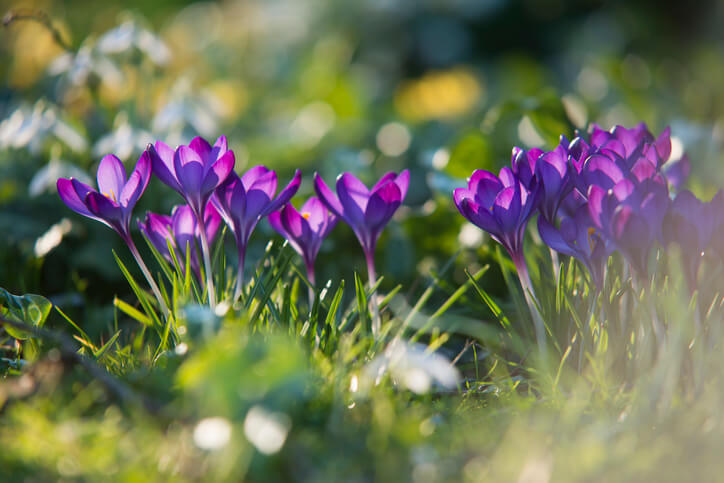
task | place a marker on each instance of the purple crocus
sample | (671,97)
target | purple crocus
(180,230)
(502,206)
(244,201)
(195,171)
(305,229)
(113,202)
(366,211)
(688,223)
(630,214)
(555,178)
(578,237)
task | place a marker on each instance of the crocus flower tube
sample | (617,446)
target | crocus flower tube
(195,171)
(244,201)
(305,229)
(113,203)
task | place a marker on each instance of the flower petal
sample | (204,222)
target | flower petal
(162,164)
(286,194)
(218,172)
(69,194)
(327,196)
(137,182)
(111,177)
(354,196)
(203,149)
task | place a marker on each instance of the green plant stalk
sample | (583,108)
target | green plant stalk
(149,278)
(374,308)
(531,300)
(207,262)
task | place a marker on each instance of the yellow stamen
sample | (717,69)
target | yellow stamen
(591,241)
(306,215)
(111,196)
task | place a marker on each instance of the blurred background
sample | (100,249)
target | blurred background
(438,87)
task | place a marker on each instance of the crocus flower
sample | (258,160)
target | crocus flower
(366,211)
(630,215)
(195,171)
(244,201)
(578,237)
(500,205)
(113,202)
(305,229)
(555,179)
(180,230)
(688,223)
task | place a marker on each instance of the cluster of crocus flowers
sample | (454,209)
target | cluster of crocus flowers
(602,192)
(204,177)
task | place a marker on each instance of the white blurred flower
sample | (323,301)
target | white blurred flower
(31,126)
(187,107)
(212,433)
(266,430)
(52,238)
(124,140)
(46,177)
(129,35)
(75,67)
(411,366)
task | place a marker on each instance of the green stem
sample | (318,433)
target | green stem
(149,277)
(374,308)
(531,300)
(207,262)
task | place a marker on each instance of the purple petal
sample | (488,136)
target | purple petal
(327,196)
(382,205)
(507,177)
(354,196)
(162,164)
(69,194)
(108,211)
(479,216)
(202,149)
(137,183)
(507,209)
(601,171)
(212,221)
(111,177)
(554,239)
(220,147)
(286,194)
(253,174)
(189,170)
(276,223)
(218,172)
(484,187)
(157,228)
(403,182)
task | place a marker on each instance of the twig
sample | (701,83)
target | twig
(40,17)
(70,348)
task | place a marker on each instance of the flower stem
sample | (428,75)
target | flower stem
(149,277)
(207,262)
(374,308)
(240,270)
(531,300)
(310,277)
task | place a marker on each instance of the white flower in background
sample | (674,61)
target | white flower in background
(123,140)
(129,35)
(266,430)
(74,68)
(187,106)
(411,366)
(212,433)
(31,126)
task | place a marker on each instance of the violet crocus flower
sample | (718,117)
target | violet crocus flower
(305,229)
(244,201)
(366,211)
(578,237)
(113,202)
(688,223)
(195,171)
(555,177)
(502,205)
(630,215)
(180,230)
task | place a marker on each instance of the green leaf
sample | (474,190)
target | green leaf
(29,309)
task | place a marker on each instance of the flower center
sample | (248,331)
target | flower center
(591,241)
(111,196)
(306,215)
